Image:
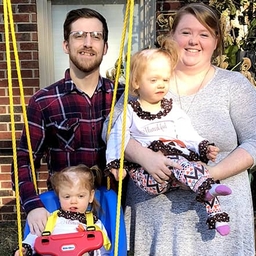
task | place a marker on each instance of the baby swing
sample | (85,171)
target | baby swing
(112,217)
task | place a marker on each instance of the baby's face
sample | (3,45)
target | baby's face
(75,198)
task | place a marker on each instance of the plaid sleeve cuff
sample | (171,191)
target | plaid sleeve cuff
(32,204)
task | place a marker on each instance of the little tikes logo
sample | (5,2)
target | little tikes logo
(68,247)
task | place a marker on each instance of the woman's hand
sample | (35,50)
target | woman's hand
(155,163)
(158,166)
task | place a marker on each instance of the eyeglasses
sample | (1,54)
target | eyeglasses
(81,35)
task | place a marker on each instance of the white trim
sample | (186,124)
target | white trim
(44,23)
(145,36)
(147,19)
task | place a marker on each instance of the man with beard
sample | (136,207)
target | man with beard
(65,119)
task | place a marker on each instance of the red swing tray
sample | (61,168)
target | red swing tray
(73,244)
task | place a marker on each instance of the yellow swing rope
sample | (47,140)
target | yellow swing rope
(118,71)
(7,8)
(119,63)
(8,18)
(129,9)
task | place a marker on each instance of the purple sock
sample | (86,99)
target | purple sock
(217,190)
(222,228)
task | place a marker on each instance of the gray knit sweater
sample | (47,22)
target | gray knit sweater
(224,111)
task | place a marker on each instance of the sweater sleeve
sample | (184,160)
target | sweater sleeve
(243,113)
(114,142)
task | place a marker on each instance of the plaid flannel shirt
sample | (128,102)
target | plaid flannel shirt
(65,127)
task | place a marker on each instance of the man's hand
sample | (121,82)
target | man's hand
(37,219)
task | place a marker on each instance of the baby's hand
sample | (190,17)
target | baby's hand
(212,152)
(80,228)
(116,173)
(17,253)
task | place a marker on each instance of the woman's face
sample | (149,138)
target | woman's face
(196,43)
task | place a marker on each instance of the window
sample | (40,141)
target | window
(51,14)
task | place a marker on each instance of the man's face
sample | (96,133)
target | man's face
(86,50)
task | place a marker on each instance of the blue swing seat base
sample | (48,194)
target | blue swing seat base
(108,202)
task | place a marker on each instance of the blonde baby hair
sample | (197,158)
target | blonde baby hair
(140,59)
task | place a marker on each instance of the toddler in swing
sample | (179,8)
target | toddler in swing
(75,187)
(160,125)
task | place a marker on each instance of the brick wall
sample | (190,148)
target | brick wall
(25,25)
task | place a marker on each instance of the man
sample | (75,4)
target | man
(66,118)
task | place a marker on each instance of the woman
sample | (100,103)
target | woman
(222,108)
(156,123)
